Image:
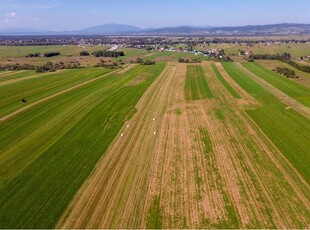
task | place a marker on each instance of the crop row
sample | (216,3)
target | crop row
(196,86)
(286,128)
(58,143)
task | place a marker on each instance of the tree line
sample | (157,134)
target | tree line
(270,56)
(303,68)
(289,73)
(143,62)
(48,67)
(285,57)
(106,53)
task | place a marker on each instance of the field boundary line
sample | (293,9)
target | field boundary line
(283,97)
(7,117)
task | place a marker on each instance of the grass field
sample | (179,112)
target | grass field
(196,86)
(49,165)
(208,165)
(304,78)
(11,75)
(171,145)
(42,86)
(287,129)
(230,89)
(289,87)
(21,51)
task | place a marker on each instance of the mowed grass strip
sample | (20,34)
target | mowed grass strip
(35,89)
(5,76)
(286,128)
(48,121)
(230,89)
(196,86)
(37,196)
(287,86)
(154,218)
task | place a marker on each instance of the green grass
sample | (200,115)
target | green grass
(21,51)
(5,76)
(154,218)
(208,147)
(178,111)
(230,89)
(272,65)
(287,86)
(42,86)
(48,152)
(296,50)
(196,86)
(287,129)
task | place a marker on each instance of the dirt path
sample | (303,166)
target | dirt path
(207,166)
(7,117)
(290,102)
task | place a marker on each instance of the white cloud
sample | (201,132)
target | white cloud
(14,4)
(11,15)
(13,19)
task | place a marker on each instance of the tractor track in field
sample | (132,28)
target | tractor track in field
(284,98)
(27,78)
(10,72)
(18,111)
(204,169)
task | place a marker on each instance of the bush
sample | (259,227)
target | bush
(84,53)
(51,54)
(286,72)
(33,55)
(148,62)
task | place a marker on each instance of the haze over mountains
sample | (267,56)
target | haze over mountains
(120,29)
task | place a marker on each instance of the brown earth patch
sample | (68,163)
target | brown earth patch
(164,58)
(139,79)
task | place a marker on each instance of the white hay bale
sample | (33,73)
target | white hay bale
(122,134)
(154,133)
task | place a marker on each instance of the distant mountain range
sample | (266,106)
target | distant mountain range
(119,29)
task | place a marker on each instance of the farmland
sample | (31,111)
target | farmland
(171,145)
(199,163)
(41,170)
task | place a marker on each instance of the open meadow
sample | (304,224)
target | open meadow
(170,145)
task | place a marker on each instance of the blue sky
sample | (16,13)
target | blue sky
(78,14)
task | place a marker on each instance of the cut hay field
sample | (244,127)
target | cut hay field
(188,161)
(173,145)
